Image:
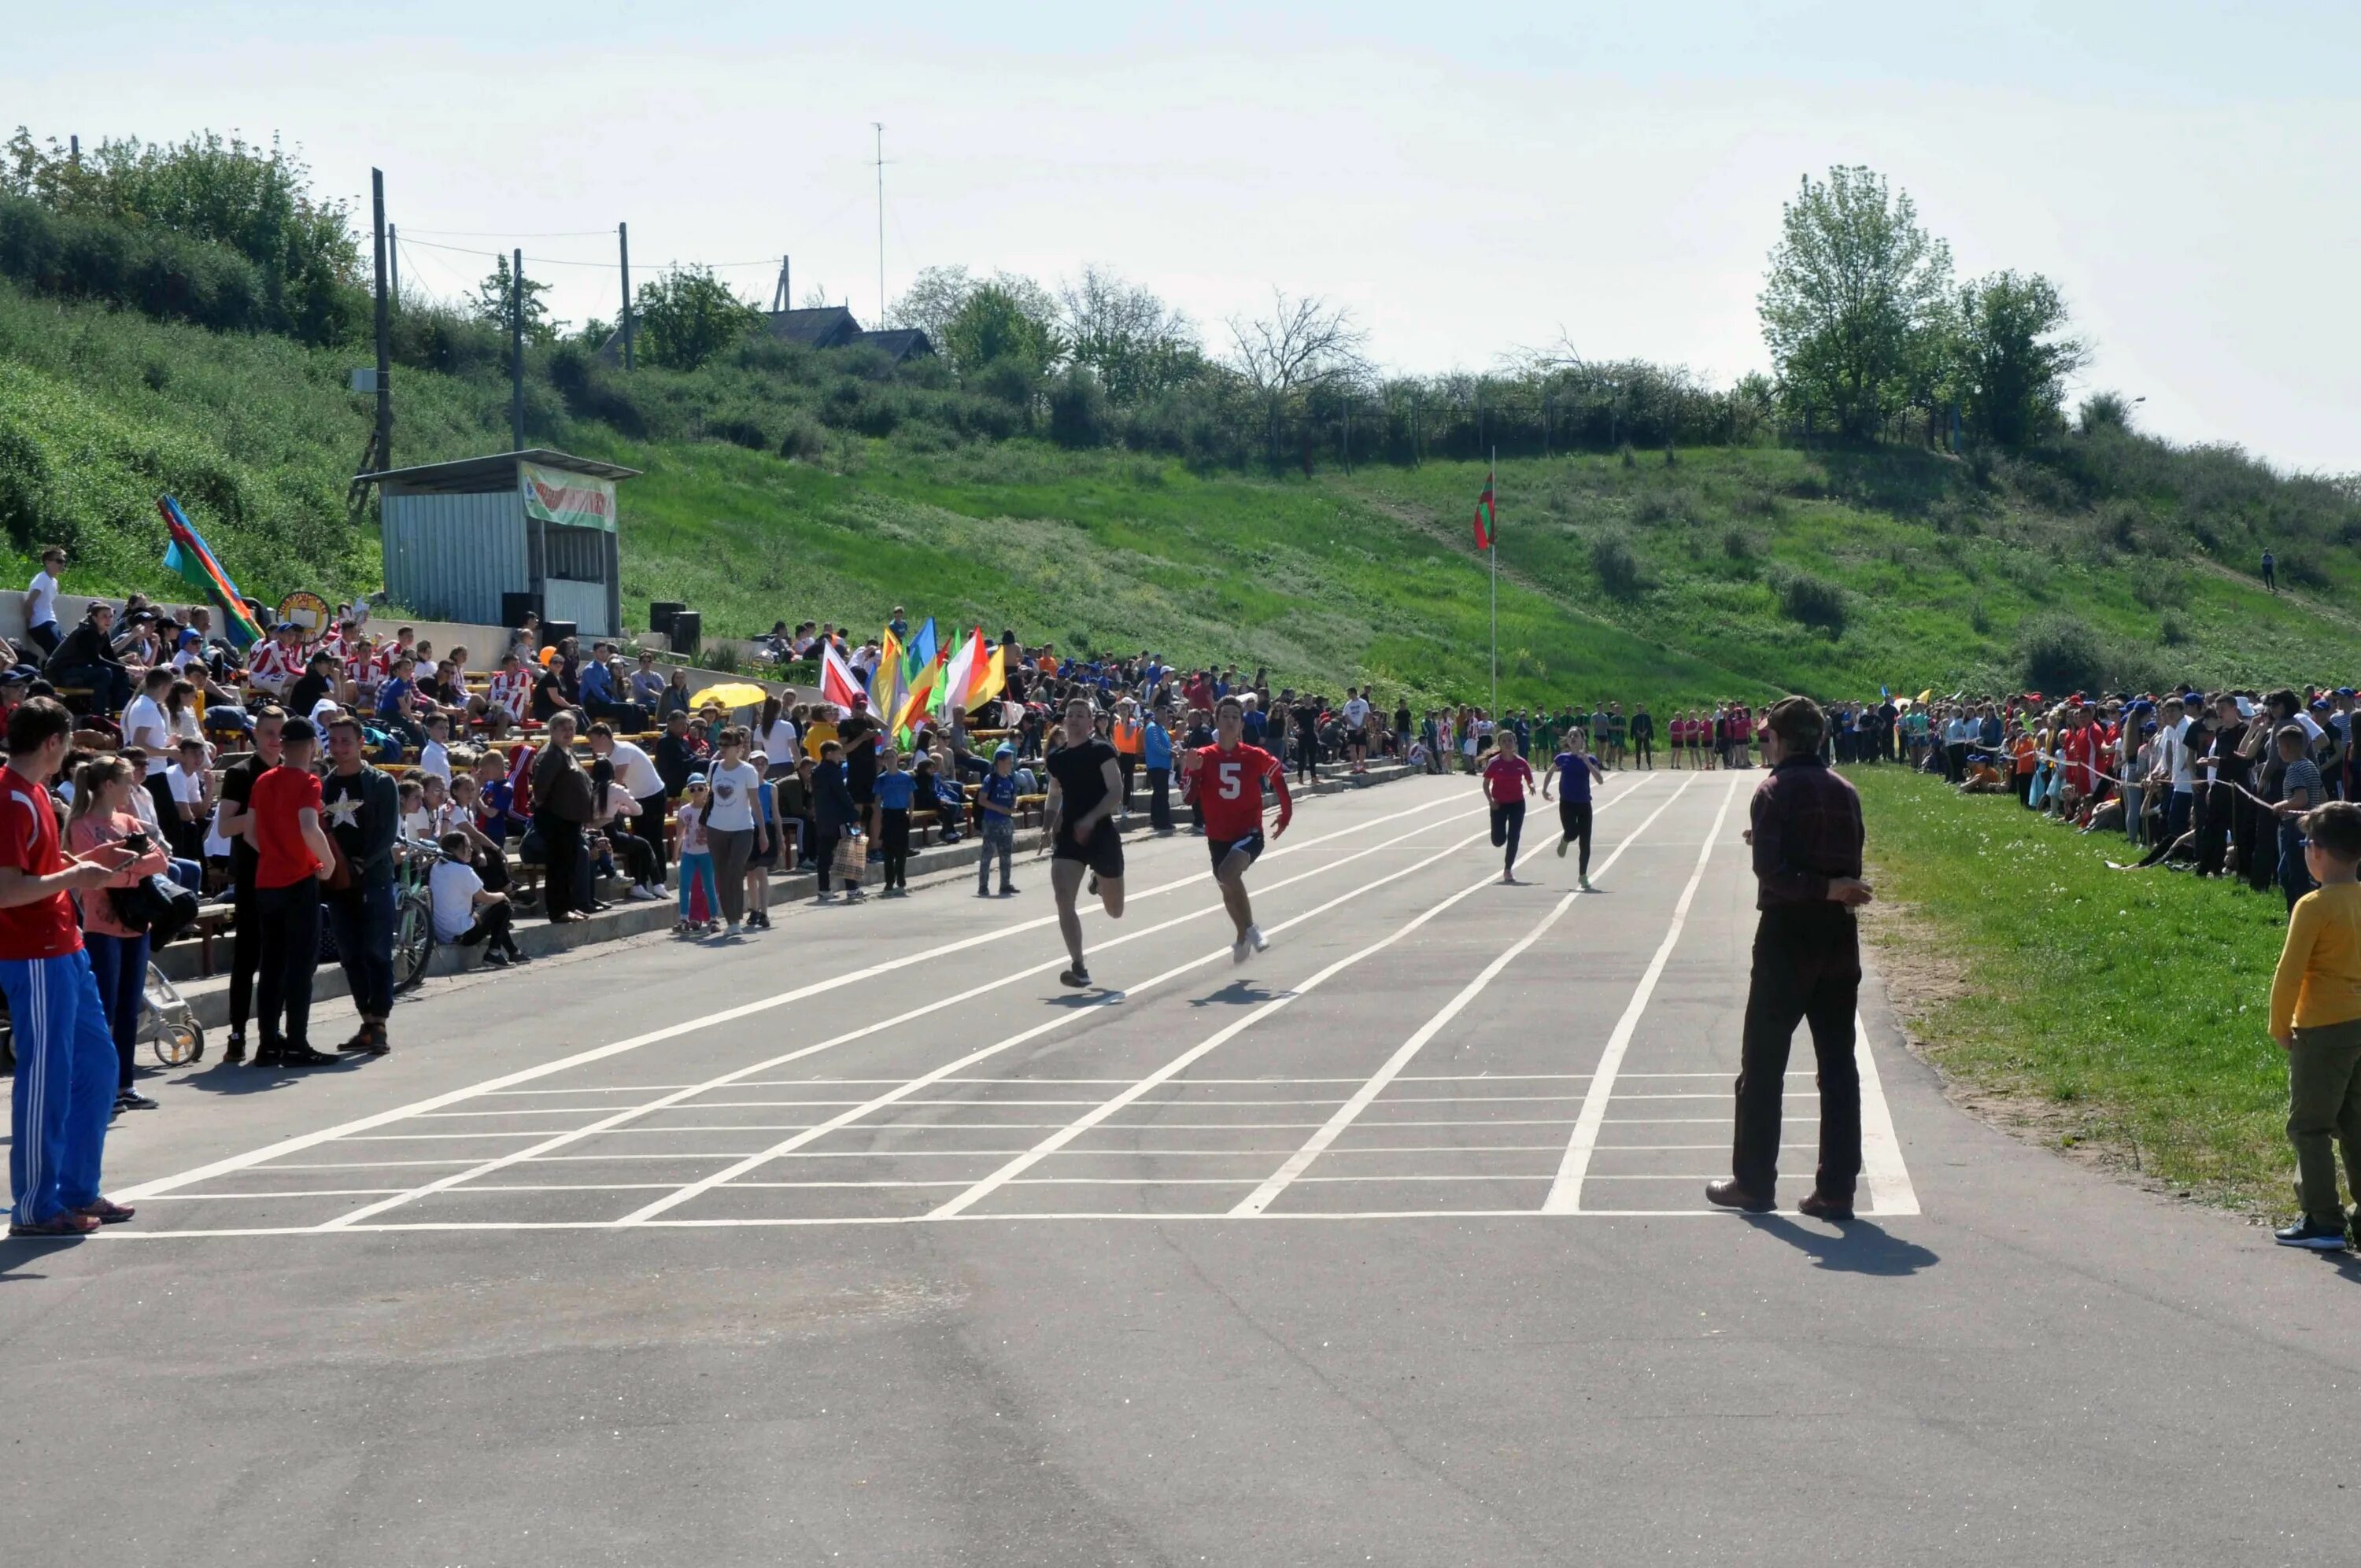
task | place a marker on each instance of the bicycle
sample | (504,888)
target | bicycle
(414,917)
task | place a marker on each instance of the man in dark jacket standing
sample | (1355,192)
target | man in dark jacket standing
(1806,835)
(361,809)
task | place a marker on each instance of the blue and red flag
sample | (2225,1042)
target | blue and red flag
(188,556)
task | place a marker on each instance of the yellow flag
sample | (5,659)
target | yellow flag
(994,679)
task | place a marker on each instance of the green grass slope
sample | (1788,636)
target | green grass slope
(1730,572)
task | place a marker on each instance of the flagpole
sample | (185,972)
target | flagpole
(1491,480)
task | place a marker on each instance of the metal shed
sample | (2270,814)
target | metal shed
(459,537)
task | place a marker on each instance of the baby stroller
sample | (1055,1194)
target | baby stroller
(168,1026)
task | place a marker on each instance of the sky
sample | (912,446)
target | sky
(1607,177)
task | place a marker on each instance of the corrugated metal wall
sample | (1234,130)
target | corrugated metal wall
(452,556)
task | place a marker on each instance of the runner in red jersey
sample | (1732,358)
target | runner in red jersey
(1226,779)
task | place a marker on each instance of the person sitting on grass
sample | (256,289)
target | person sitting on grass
(465,911)
(2316,1019)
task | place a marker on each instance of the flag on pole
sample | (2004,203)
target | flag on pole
(996,678)
(960,674)
(922,692)
(838,683)
(886,681)
(1485,525)
(188,556)
(920,652)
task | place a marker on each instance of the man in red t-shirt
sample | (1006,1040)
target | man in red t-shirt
(291,854)
(1225,780)
(1507,780)
(66,1065)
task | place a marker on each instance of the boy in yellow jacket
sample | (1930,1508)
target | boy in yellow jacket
(2316,1019)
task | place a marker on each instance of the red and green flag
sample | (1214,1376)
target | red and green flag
(1486,528)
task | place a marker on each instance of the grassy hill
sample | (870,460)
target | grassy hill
(1730,571)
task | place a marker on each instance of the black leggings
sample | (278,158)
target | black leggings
(894,838)
(1574,816)
(1508,827)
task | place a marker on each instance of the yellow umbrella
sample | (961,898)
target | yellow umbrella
(731,694)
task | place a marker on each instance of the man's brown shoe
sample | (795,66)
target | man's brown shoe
(1730,1195)
(1819,1206)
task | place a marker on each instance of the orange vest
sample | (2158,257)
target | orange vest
(1128,736)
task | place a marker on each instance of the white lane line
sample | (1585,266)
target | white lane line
(690,1026)
(1212,1042)
(1157,1216)
(1890,1192)
(1566,1192)
(950,1069)
(1262,1197)
(1056,1022)
(792,1148)
(673,1031)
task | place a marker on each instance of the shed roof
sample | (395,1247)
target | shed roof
(824,326)
(899,344)
(495,472)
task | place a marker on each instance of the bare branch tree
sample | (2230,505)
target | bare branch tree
(1304,343)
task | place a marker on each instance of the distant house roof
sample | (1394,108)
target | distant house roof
(497,472)
(830,326)
(826,326)
(899,344)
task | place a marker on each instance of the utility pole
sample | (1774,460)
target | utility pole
(384,434)
(623,243)
(393,266)
(516,351)
(878,125)
(781,299)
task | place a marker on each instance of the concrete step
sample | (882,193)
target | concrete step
(209,997)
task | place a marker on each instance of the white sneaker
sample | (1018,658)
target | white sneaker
(1238,950)
(642,893)
(1254,936)
(732,932)
(1586,884)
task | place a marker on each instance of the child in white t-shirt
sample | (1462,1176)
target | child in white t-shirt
(465,911)
(434,760)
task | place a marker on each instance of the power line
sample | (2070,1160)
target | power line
(529,233)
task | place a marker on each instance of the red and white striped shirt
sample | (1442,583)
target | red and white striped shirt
(274,665)
(510,689)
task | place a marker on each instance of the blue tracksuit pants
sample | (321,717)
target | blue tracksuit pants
(64,1094)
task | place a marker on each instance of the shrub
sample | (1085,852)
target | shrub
(1813,601)
(719,657)
(804,441)
(1078,409)
(2172,633)
(1979,619)
(2060,653)
(1617,568)
(1737,544)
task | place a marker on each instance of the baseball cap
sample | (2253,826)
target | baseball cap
(696,778)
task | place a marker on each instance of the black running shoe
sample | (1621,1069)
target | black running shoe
(1074,978)
(2317,1235)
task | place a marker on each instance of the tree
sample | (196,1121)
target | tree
(253,199)
(2013,357)
(934,297)
(1303,344)
(491,305)
(1854,286)
(1137,345)
(688,315)
(1005,323)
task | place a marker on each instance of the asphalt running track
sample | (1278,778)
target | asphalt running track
(861,1241)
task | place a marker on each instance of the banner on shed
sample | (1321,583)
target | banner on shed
(569,500)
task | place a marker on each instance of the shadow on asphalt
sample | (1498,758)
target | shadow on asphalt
(16,1254)
(1859,1248)
(241,1078)
(1237,993)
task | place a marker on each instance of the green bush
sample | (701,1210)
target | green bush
(1617,568)
(1813,601)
